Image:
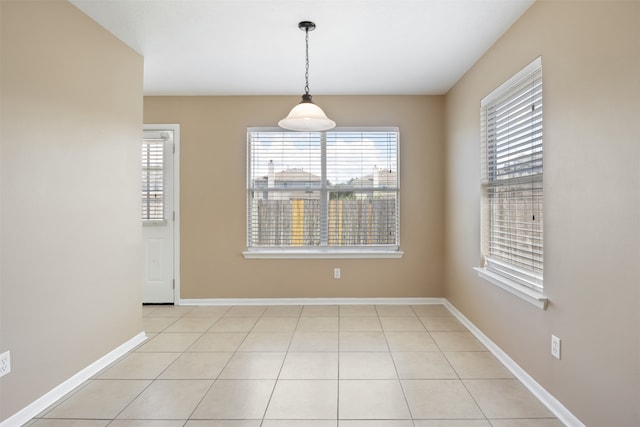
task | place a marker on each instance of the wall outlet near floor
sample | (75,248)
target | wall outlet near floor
(336,273)
(555,347)
(5,363)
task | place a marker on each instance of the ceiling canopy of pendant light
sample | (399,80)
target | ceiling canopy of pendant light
(307,116)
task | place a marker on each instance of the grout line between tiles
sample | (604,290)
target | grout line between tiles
(287,352)
(338,373)
(212,382)
(404,394)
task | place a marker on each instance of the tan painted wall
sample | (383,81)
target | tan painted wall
(591,67)
(71,236)
(213,199)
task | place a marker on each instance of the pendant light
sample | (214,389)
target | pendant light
(307,116)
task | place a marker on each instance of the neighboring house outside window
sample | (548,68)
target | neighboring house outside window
(334,192)
(512,191)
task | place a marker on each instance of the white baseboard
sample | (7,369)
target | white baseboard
(532,385)
(547,399)
(310,301)
(26,414)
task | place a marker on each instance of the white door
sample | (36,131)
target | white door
(158,214)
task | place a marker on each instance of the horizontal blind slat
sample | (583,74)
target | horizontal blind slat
(286,184)
(512,164)
(152,178)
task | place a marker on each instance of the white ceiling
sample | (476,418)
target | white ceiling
(254,47)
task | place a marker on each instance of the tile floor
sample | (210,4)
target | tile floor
(302,366)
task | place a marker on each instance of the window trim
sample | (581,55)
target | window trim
(519,282)
(533,297)
(152,214)
(327,252)
(320,253)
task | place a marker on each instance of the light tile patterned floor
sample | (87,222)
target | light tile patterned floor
(302,366)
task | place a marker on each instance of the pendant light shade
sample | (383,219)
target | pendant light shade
(307,116)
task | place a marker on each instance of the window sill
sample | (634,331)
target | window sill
(153,222)
(320,253)
(529,295)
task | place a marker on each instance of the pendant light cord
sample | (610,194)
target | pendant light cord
(306,72)
(307,116)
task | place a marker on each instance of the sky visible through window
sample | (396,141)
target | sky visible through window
(350,155)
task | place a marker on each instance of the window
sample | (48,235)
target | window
(153,179)
(512,197)
(331,192)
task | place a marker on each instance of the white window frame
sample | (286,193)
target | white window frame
(521,282)
(154,150)
(325,251)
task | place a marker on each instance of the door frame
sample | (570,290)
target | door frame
(176,201)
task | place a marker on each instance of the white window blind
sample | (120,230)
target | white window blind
(512,178)
(153,179)
(336,189)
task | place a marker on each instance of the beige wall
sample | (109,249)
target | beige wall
(71,238)
(213,199)
(591,63)
(70,242)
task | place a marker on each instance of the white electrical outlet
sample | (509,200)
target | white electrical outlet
(555,347)
(5,363)
(336,273)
